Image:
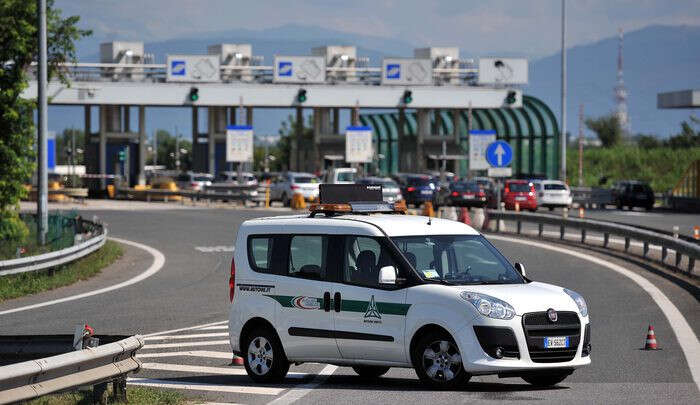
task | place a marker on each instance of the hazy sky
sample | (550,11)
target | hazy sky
(530,27)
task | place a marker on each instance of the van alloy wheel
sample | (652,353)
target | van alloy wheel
(442,361)
(260,355)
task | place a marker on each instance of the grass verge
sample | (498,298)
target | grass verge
(134,395)
(33,282)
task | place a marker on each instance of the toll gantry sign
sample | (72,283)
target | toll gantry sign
(193,68)
(358,145)
(407,71)
(499,154)
(299,69)
(239,143)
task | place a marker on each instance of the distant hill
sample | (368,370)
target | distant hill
(657,58)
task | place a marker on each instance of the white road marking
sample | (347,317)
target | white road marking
(222,327)
(156,383)
(296,394)
(214,249)
(185,344)
(207,370)
(193,336)
(165,332)
(684,333)
(191,353)
(158,262)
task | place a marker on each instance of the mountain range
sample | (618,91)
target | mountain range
(656,59)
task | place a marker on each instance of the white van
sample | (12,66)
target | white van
(341,175)
(363,285)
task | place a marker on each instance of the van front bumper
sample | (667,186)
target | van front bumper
(517,357)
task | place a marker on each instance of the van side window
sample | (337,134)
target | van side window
(260,250)
(307,257)
(363,258)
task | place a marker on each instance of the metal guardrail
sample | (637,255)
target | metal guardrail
(215,193)
(34,378)
(681,247)
(58,257)
(588,196)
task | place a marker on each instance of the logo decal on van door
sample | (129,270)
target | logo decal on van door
(372,314)
(306,302)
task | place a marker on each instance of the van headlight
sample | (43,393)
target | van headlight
(580,302)
(489,306)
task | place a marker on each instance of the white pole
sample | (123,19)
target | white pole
(42,177)
(562,172)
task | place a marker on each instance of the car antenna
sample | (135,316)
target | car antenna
(430,219)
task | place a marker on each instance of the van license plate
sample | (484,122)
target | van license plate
(556,342)
(520,198)
(426,192)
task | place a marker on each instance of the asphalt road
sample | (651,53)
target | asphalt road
(192,289)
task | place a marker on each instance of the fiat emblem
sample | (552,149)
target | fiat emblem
(552,315)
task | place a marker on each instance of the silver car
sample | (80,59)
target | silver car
(390,189)
(290,183)
(193,181)
(232,177)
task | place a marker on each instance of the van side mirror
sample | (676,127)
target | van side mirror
(387,275)
(520,268)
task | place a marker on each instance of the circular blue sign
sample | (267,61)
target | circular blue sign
(499,154)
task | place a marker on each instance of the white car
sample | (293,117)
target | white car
(352,287)
(552,194)
(290,183)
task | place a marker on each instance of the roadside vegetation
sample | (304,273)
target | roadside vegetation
(660,162)
(134,395)
(18,285)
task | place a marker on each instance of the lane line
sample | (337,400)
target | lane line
(296,394)
(158,262)
(206,369)
(684,333)
(185,344)
(204,325)
(222,327)
(193,353)
(194,336)
(157,383)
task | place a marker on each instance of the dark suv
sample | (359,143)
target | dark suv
(632,193)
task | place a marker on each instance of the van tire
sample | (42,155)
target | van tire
(370,372)
(435,341)
(258,369)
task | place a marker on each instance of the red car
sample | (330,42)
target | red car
(521,192)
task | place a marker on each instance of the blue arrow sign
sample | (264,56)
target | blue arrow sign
(499,154)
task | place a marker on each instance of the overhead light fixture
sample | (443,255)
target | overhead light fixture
(344,57)
(238,55)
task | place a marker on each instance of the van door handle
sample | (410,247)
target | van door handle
(336,302)
(327,301)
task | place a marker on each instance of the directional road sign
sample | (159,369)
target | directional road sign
(499,154)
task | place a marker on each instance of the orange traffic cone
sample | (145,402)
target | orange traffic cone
(651,340)
(237,360)
(466,219)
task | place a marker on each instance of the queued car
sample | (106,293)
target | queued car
(249,179)
(632,193)
(386,290)
(291,183)
(418,188)
(391,192)
(520,192)
(194,181)
(489,188)
(552,194)
(466,194)
(340,175)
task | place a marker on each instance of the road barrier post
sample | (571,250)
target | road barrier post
(540,229)
(583,236)
(675,231)
(606,239)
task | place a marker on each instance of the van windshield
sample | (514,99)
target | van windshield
(457,259)
(346,176)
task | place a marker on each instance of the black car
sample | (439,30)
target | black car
(466,194)
(632,193)
(417,189)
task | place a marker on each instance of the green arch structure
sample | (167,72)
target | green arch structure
(531,130)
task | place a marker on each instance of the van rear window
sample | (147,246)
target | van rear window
(260,253)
